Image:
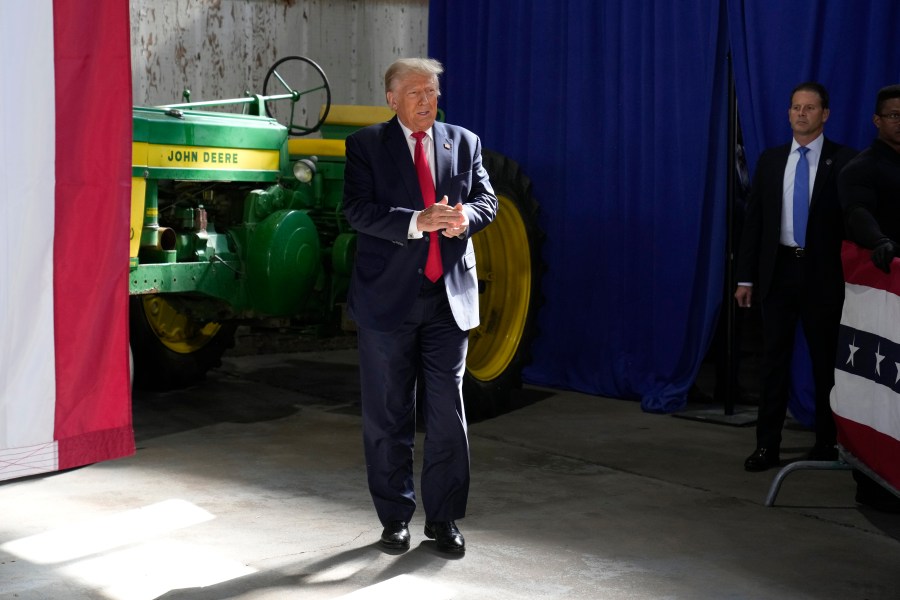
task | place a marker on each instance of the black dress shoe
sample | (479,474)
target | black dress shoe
(823,452)
(395,535)
(446,534)
(762,459)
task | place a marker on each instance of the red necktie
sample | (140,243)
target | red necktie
(433,268)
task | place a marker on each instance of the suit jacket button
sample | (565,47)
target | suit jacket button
(421,271)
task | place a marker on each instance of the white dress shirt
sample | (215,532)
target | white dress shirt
(428,143)
(787,189)
(787,194)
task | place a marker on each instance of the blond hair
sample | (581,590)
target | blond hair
(402,67)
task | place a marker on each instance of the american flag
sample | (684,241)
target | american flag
(65,172)
(866,395)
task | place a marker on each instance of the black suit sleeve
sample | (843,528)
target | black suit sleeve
(859,200)
(747,260)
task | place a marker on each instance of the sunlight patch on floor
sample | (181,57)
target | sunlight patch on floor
(124,556)
(106,533)
(152,569)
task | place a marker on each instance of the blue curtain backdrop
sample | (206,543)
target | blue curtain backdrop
(617,110)
(850,47)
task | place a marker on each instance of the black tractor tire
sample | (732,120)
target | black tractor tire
(170,350)
(510,269)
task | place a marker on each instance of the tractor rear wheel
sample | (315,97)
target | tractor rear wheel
(172,350)
(509,275)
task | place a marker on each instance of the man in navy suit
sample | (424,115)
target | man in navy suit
(793,271)
(414,296)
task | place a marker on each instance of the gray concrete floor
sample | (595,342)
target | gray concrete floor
(252,486)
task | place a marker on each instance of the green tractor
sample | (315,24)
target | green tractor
(236,219)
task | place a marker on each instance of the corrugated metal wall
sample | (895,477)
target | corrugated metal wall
(222,48)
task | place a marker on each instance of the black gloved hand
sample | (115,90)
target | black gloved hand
(884,253)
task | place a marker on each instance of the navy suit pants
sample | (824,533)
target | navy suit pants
(427,353)
(794,299)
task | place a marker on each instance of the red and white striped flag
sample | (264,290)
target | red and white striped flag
(65,166)
(866,394)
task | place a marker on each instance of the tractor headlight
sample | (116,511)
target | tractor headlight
(304,169)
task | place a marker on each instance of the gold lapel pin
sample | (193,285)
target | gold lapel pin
(447,145)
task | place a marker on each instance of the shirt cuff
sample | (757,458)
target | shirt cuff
(413,233)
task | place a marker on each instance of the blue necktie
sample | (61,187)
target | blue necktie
(801,198)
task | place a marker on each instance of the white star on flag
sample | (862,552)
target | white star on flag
(878,358)
(853,349)
(898,372)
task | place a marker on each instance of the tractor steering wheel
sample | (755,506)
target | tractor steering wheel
(313,102)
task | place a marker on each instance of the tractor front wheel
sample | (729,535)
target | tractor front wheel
(172,350)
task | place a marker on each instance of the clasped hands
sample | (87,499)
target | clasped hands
(440,216)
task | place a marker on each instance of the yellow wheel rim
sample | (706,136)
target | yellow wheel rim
(504,274)
(175,330)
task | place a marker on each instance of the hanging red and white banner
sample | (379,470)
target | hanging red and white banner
(65,162)
(866,395)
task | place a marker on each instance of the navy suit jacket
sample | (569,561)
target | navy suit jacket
(381,191)
(824,230)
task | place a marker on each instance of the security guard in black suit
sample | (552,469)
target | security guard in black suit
(795,271)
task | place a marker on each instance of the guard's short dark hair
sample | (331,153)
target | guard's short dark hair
(815,87)
(885,94)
